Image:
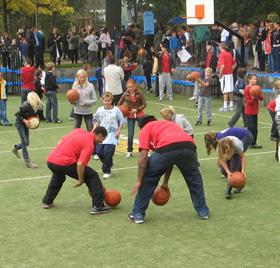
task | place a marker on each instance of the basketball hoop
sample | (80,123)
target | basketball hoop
(200,12)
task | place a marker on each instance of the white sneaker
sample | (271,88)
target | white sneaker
(192,98)
(96,157)
(231,108)
(106,176)
(129,154)
(149,154)
(223,109)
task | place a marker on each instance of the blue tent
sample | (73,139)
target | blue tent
(177,20)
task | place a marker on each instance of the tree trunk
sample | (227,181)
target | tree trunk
(4,16)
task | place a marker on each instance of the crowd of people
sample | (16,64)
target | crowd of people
(171,139)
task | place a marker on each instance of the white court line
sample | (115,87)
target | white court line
(195,110)
(124,168)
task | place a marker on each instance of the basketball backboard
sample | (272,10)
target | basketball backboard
(200,12)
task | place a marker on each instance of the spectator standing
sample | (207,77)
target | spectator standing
(54,45)
(92,41)
(3,102)
(28,79)
(73,42)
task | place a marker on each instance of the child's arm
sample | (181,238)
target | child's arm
(121,101)
(226,168)
(243,164)
(204,84)
(80,171)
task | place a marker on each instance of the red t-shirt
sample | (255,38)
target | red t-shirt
(271,106)
(158,134)
(226,59)
(77,146)
(208,59)
(27,76)
(166,68)
(251,105)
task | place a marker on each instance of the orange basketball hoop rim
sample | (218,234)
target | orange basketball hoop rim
(199,12)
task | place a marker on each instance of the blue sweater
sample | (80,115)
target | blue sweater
(174,43)
(237,132)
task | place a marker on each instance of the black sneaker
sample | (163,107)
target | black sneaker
(132,219)
(256,146)
(237,190)
(208,123)
(58,121)
(46,206)
(198,123)
(100,210)
(228,193)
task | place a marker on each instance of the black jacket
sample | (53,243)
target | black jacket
(25,111)
(50,82)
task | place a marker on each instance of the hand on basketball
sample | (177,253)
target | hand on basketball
(78,184)
(27,123)
(135,188)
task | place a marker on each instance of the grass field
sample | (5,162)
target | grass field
(242,232)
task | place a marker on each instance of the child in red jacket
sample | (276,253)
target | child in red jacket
(252,110)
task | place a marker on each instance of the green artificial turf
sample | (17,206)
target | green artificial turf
(242,232)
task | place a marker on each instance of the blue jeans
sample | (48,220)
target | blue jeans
(88,120)
(23,132)
(51,104)
(270,63)
(247,141)
(3,113)
(158,164)
(130,128)
(276,59)
(207,102)
(24,93)
(106,153)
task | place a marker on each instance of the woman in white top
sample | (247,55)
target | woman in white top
(105,41)
(92,41)
(83,107)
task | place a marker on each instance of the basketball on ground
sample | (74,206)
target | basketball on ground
(255,91)
(72,95)
(34,122)
(237,180)
(161,196)
(112,198)
(124,109)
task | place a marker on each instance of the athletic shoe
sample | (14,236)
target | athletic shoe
(30,164)
(231,108)
(206,217)
(209,123)
(228,193)
(100,210)
(256,146)
(46,206)
(132,219)
(192,98)
(197,123)
(96,157)
(237,191)
(7,125)
(129,154)
(223,109)
(15,152)
(58,121)
(106,176)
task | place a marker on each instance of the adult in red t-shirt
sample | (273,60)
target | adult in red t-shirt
(226,65)
(28,79)
(171,146)
(71,157)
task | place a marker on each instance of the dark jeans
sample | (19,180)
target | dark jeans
(106,153)
(88,120)
(116,99)
(73,55)
(130,129)
(239,111)
(247,141)
(100,86)
(273,131)
(252,126)
(91,179)
(149,81)
(24,93)
(23,132)
(276,59)
(158,164)
(51,105)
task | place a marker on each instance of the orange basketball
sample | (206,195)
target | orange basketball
(112,198)
(255,91)
(34,122)
(237,180)
(124,109)
(72,95)
(194,76)
(161,196)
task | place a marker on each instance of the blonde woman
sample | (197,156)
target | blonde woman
(169,113)
(29,108)
(231,158)
(83,107)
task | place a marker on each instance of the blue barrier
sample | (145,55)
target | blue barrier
(7,70)
(188,69)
